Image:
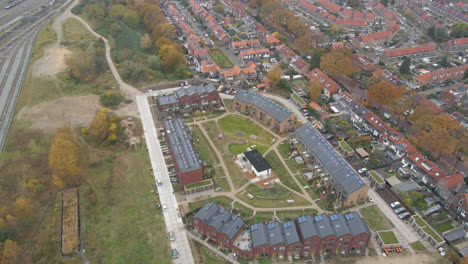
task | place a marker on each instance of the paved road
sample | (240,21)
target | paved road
(166,193)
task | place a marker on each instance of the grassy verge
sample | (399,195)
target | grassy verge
(227,103)
(209,257)
(197,184)
(280,171)
(76,32)
(221,59)
(293,214)
(238,178)
(273,203)
(236,149)
(388,237)
(345,146)
(418,246)
(443,227)
(375,218)
(220,179)
(233,124)
(376,177)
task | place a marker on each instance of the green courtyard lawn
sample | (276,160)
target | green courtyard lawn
(227,103)
(418,246)
(210,257)
(234,123)
(273,203)
(375,218)
(345,146)
(294,214)
(443,227)
(298,98)
(236,149)
(388,237)
(237,176)
(280,171)
(220,58)
(277,191)
(376,177)
(203,147)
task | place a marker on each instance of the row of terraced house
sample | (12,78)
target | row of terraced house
(303,237)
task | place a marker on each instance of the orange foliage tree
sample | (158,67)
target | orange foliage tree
(383,93)
(338,62)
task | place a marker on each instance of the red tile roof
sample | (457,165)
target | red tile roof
(352,22)
(325,81)
(375,36)
(442,74)
(435,109)
(363,63)
(271,39)
(337,45)
(314,105)
(427,166)
(285,51)
(236,70)
(301,66)
(245,53)
(245,44)
(408,51)
(454,180)
(457,42)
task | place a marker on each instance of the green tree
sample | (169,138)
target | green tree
(438,34)
(384,2)
(154,62)
(274,75)
(459,30)
(145,42)
(316,58)
(444,62)
(405,66)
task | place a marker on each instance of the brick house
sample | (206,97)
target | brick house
(254,54)
(187,100)
(329,86)
(440,75)
(264,110)
(187,162)
(456,95)
(413,52)
(335,173)
(244,45)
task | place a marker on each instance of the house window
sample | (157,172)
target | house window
(281,248)
(361,243)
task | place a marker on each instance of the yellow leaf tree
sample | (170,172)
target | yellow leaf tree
(384,93)
(338,62)
(274,75)
(315,90)
(10,251)
(23,208)
(171,58)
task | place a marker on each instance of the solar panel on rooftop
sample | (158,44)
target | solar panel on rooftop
(302,219)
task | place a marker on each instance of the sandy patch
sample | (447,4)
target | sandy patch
(71,111)
(51,63)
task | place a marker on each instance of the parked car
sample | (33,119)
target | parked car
(362,170)
(164,208)
(175,253)
(399,210)
(404,215)
(324,131)
(171,236)
(395,204)
(330,137)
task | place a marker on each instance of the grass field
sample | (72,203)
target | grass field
(203,147)
(209,257)
(74,31)
(281,171)
(220,58)
(233,124)
(443,227)
(238,178)
(220,179)
(417,245)
(224,202)
(273,203)
(375,218)
(388,237)
(277,191)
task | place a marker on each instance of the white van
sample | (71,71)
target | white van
(159,182)
(164,208)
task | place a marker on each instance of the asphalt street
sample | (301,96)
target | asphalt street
(167,197)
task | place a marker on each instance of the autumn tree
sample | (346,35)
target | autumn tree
(384,93)
(171,58)
(86,66)
(64,161)
(459,30)
(440,138)
(274,75)
(10,251)
(146,42)
(338,62)
(22,208)
(105,127)
(315,90)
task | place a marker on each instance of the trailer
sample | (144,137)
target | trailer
(12,3)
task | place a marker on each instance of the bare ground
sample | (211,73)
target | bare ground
(410,259)
(71,111)
(51,63)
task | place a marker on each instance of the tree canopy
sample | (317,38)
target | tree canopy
(384,93)
(459,30)
(338,62)
(64,161)
(274,75)
(315,90)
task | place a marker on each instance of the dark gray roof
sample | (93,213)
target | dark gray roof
(267,105)
(232,226)
(217,221)
(356,224)
(170,99)
(346,179)
(260,235)
(174,98)
(275,232)
(455,234)
(257,160)
(291,234)
(339,224)
(308,227)
(181,145)
(324,225)
(206,212)
(464,251)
